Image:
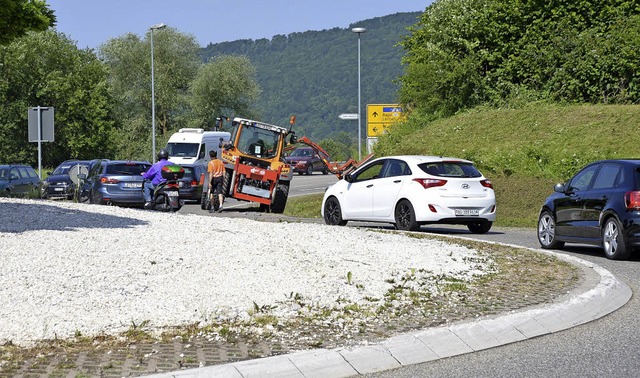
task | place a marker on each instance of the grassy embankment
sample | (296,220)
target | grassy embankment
(522,151)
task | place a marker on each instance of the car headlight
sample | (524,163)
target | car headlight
(45,184)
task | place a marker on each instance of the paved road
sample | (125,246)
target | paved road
(300,185)
(608,347)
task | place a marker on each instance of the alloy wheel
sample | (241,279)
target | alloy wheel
(610,238)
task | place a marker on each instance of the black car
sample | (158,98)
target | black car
(115,182)
(600,205)
(59,184)
(190,185)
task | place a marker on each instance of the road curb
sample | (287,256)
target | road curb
(596,297)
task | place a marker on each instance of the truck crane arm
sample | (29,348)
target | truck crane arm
(340,170)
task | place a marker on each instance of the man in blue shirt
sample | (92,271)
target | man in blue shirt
(153,177)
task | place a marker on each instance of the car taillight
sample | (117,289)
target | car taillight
(173,185)
(194,183)
(632,200)
(108,180)
(430,183)
(486,184)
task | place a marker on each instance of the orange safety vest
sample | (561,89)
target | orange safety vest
(215,168)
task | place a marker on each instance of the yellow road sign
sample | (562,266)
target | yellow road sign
(381,116)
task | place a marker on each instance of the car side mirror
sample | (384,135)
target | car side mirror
(348,177)
(560,188)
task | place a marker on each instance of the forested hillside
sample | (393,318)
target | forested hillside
(314,74)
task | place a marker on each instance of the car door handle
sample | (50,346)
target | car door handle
(396,181)
(604,198)
(370,185)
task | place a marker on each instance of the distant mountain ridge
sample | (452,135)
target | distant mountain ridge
(314,74)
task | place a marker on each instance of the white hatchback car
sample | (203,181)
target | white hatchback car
(410,191)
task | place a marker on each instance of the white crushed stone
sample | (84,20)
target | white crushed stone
(68,268)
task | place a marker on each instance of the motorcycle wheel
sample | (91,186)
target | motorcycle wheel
(161,203)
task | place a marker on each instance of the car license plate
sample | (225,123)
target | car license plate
(173,194)
(58,189)
(467,212)
(133,185)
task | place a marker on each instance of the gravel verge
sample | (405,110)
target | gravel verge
(70,269)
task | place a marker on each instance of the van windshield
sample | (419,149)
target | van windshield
(183,149)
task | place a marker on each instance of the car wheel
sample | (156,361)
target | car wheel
(613,241)
(547,231)
(333,212)
(480,227)
(325,170)
(406,217)
(310,169)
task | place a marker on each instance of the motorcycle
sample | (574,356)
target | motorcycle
(166,196)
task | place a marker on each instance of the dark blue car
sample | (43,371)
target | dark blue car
(600,205)
(59,184)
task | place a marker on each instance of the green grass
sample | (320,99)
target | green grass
(304,206)
(524,152)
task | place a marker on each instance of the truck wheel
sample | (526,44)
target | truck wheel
(280,198)
(226,184)
(204,201)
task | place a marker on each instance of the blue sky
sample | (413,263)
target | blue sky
(93,22)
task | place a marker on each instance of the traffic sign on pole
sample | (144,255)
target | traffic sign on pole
(382,116)
(40,122)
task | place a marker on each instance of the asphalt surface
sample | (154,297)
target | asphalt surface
(607,347)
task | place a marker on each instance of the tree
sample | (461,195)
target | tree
(176,63)
(47,69)
(463,53)
(224,86)
(17,17)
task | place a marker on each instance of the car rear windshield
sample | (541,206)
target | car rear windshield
(188,172)
(127,169)
(450,169)
(64,168)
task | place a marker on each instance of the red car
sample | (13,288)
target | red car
(306,160)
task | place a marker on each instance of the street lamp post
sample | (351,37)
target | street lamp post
(153,95)
(359,31)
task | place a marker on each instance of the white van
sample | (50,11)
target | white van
(192,146)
